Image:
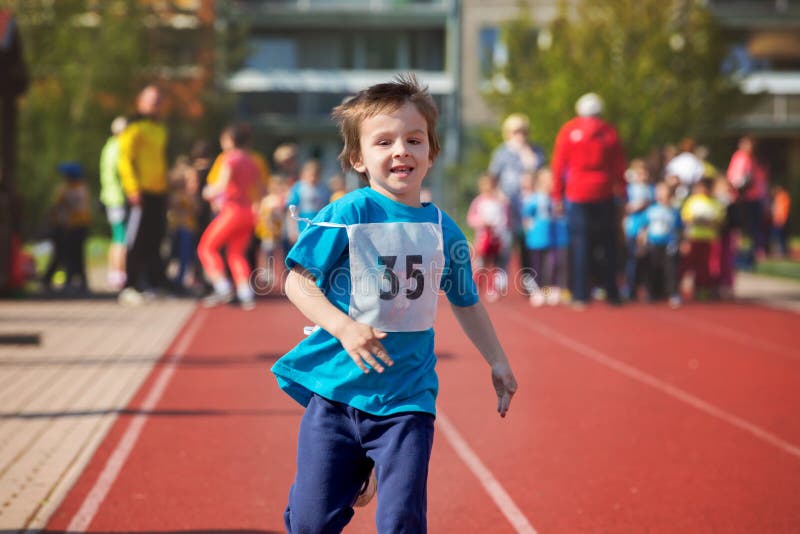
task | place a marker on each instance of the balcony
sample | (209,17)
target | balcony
(328,81)
(778,108)
(342,13)
(756,13)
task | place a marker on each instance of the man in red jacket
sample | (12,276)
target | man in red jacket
(589,172)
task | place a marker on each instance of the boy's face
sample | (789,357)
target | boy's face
(395,153)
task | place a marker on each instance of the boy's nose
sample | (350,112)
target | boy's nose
(400,149)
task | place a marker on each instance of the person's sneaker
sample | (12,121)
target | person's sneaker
(675,302)
(367,491)
(217,299)
(554,296)
(130,297)
(537,299)
(248,304)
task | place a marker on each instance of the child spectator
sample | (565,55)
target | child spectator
(309,195)
(70,217)
(702,215)
(537,221)
(359,423)
(271,214)
(488,215)
(558,291)
(723,250)
(640,196)
(661,229)
(781,203)
(182,216)
(337,187)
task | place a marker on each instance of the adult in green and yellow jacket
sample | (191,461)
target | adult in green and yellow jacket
(143,172)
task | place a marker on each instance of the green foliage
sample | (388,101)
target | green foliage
(656,64)
(87,60)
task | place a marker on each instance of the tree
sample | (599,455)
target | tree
(87,60)
(657,65)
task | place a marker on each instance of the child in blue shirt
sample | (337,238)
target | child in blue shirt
(640,196)
(537,222)
(662,227)
(367,270)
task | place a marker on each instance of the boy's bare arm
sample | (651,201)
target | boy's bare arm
(476,324)
(361,341)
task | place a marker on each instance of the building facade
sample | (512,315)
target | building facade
(766,58)
(306,56)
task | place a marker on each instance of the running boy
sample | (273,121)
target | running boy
(366,376)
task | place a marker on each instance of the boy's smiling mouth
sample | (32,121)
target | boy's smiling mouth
(401,170)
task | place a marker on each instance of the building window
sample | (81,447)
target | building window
(381,50)
(272,53)
(271,103)
(427,50)
(492,57)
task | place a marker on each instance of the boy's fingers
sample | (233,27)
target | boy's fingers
(379,334)
(356,357)
(503,404)
(380,351)
(367,357)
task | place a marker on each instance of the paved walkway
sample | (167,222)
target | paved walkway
(59,398)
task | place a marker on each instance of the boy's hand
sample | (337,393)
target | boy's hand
(361,342)
(505,385)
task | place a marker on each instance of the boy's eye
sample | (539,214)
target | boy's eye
(415,141)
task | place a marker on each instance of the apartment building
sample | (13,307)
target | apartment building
(305,56)
(766,58)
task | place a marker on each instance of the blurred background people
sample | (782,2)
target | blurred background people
(236,191)
(143,172)
(488,216)
(516,156)
(310,194)
(113,199)
(182,216)
(687,167)
(662,233)
(779,211)
(749,176)
(70,218)
(702,216)
(640,196)
(588,173)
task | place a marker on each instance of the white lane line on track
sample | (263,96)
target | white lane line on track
(664,387)
(495,490)
(730,334)
(84,516)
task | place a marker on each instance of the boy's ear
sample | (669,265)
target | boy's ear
(357,164)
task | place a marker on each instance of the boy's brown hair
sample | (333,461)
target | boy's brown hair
(381,98)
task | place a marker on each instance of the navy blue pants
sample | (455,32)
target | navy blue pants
(592,226)
(337,447)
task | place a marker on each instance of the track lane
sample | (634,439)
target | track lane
(606,453)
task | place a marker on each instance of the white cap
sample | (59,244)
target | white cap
(589,105)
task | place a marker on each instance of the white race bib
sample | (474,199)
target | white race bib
(395,273)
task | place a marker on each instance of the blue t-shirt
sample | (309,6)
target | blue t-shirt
(537,219)
(637,193)
(319,364)
(663,224)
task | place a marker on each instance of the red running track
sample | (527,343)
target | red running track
(627,420)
